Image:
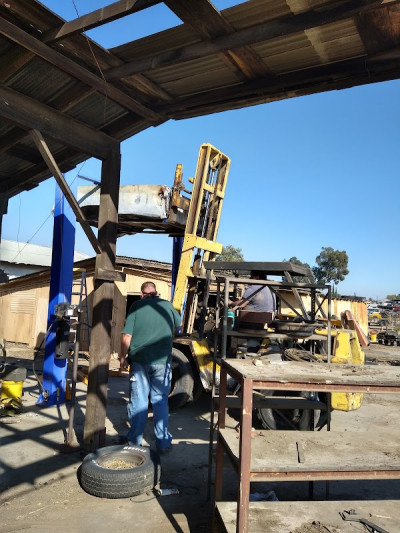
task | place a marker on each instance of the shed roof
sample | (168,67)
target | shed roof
(136,265)
(55,79)
(29,254)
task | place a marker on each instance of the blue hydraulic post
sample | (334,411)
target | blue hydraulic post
(62,264)
(177,244)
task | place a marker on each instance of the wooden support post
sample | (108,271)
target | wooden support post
(3,211)
(100,347)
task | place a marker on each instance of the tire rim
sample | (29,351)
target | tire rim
(122,461)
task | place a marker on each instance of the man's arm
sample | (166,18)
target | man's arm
(238,304)
(125,343)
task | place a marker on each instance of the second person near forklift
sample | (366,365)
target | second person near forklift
(263,301)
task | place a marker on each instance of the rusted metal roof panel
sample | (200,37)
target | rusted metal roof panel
(284,55)
(310,48)
(39,80)
(335,42)
(97,110)
(194,76)
(256,11)
(13,165)
(200,82)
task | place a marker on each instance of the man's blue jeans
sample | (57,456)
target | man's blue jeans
(154,381)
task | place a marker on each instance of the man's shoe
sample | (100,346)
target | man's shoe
(163,451)
(123,439)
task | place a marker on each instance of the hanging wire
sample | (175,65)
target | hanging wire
(94,57)
(44,222)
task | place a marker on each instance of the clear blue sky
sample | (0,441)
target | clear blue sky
(309,172)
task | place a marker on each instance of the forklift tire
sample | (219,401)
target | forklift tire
(182,382)
(119,471)
(297,419)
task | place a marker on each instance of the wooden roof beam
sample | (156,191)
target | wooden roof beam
(208,22)
(36,174)
(31,114)
(244,37)
(73,69)
(290,85)
(53,167)
(101,16)
(19,57)
(380,29)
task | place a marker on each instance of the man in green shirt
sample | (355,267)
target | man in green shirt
(146,347)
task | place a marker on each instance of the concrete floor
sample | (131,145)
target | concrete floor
(41,493)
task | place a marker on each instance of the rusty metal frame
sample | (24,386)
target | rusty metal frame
(245,476)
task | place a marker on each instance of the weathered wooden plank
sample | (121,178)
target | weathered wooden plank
(75,45)
(26,154)
(70,67)
(247,36)
(99,17)
(208,22)
(274,452)
(100,348)
(378,29)
(31,114)
(35,174)
(352,71)
(51,163)
(333,376)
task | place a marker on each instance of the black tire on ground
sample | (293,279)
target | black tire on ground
(119,471)
(297,419)
(182,380)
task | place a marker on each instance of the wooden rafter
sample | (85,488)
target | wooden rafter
(31,114)
(35,174)
(70,67)
(244,37)
(379,29)
(351,72)
(208,22)
(53,167)
(76,46)
(114,11)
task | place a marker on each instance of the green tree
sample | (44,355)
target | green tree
(299,279)
(331,266)
(393,296)
(230,253)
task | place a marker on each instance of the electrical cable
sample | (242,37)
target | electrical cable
(94,57)
(44,222)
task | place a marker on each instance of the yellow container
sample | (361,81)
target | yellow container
(11,390)
(347,352)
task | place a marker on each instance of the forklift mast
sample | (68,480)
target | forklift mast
(199,241)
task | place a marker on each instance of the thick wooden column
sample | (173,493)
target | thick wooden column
(3,211)
(100,347)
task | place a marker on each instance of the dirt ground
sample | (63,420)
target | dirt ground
(40,492)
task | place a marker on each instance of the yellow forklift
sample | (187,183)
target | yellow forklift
(191,218)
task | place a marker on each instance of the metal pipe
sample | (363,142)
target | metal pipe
(225,319)
(70,438)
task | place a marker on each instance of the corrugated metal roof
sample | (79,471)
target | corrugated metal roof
(29,254)
(254,52)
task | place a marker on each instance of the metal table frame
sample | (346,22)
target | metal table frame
(248,384)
